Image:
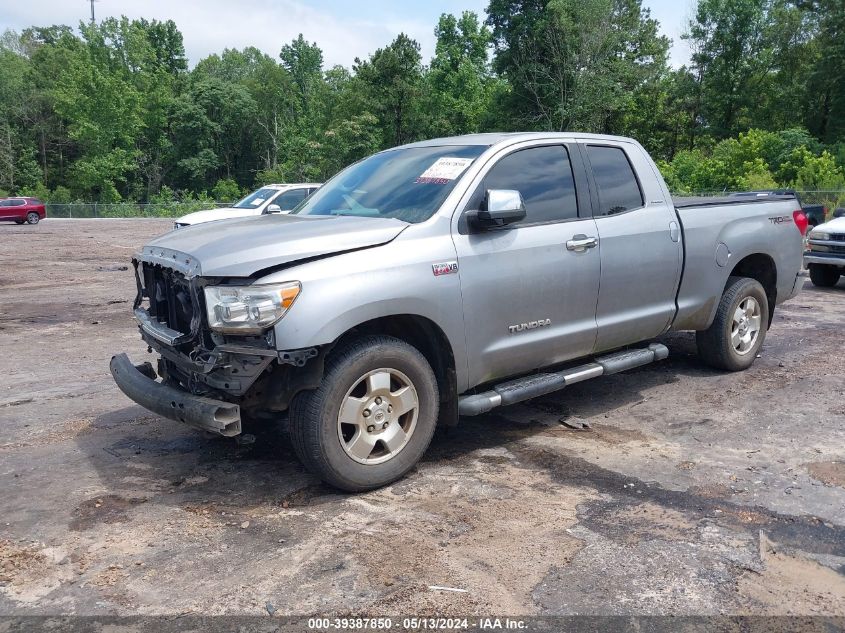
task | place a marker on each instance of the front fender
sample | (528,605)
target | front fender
(344,291)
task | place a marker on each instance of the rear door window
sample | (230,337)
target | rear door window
(618,188)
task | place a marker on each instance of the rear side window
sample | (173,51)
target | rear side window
(617,185)
(18,203)
(543,175)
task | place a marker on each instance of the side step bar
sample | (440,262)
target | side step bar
(528,387)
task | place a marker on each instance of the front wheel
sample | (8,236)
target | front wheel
(32,217)
(737,333)
(824,276)
(372,417)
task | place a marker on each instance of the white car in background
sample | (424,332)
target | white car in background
(268,199)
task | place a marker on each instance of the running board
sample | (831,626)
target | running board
(529,387)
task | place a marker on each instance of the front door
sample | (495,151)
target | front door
(529,300)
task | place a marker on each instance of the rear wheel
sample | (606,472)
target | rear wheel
(737,333)
(824,276)
(371,418)
(32,217)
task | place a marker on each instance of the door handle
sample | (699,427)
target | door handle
(580,243)
(674,232)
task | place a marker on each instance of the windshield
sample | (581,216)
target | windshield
(409,184)
(255,199)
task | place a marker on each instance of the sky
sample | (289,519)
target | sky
(344,29)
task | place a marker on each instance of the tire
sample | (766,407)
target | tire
(378,379)
(32,217)
(735,337)
(824,276)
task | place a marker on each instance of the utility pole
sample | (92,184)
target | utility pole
(92,11)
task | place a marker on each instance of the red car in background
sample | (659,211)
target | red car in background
(20,210)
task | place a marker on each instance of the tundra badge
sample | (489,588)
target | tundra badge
(531,325)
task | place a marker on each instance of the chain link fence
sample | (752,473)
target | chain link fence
(128,209)
(831,199)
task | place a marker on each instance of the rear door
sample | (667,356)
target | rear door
(641,252)
(528,300)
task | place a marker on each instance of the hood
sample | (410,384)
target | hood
(225,213)
(242,247)
(836,225)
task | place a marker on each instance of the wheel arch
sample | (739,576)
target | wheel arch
(762,268)
(426,336)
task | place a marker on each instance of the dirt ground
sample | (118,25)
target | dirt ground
(672,489)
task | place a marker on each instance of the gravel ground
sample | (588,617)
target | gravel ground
(672,489)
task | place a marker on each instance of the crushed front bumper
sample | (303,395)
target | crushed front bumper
(138,382)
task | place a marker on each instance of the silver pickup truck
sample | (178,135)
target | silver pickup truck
(443,279)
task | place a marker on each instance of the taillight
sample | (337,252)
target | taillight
(800,221)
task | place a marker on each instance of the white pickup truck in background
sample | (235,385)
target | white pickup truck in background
(826,257)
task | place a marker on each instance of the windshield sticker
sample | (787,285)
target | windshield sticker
(444,169)
(257,201)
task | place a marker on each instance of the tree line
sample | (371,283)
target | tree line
(112,112)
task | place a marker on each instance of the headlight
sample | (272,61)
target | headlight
(248,309)
(819,235)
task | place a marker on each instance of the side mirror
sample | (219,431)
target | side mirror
(273,208)
(501,207)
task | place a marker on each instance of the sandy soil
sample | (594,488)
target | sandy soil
(691,492)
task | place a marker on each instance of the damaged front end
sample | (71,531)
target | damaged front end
(205,375)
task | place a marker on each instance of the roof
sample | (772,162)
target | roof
(493,138)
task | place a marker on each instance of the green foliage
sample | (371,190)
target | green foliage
(39,191)
(59,195)
(226,190)
(756,160)
(392,82)
(459,83)
(110,113)
(816,173)
(824,109)
(576,64)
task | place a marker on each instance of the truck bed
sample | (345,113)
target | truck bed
(732,229)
